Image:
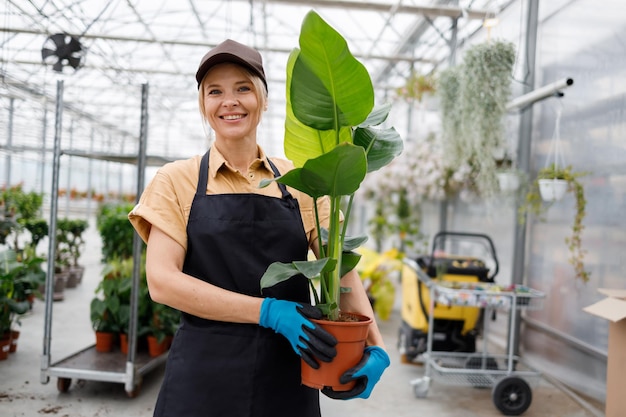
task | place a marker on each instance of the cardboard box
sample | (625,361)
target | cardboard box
(613,308)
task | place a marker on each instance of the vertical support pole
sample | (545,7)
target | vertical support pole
(45,359)
(7,167)
(524,147)
(90,174)
(137,243)
(444,204)
(44,130)
(68,182)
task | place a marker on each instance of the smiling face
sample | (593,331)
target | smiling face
(230,100)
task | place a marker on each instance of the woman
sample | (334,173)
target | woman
(211,232)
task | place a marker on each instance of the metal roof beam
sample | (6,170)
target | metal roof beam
(431,11)
(190,43)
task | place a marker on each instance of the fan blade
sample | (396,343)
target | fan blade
(74,45)
(45,53)
(58,39)
(74,61)
(58,67)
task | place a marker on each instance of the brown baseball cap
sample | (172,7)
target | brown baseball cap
(232,51)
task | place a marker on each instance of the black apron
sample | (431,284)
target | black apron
(229,369)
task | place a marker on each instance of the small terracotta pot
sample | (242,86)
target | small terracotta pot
(5,346)
(351,336)
(104,341)
(124,343)
(157,349)
(15,334)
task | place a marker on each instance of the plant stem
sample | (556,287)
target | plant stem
(334,251)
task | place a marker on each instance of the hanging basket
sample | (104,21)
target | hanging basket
(552,190)
(508,181)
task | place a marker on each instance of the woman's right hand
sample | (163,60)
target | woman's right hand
(291,320)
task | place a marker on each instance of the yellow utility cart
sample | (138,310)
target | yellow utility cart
(455,257)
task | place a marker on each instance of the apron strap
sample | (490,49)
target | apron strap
(204,176)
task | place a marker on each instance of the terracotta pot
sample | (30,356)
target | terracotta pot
(5,346)
(104,341)
(351,336)
(15,334)
(155,348)
(124,343)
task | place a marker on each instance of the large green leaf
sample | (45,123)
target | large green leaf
(377,116)
(336,173)
(349,242)
(329,87)
(349,260)
(279,271)
(303,142)
(383,144)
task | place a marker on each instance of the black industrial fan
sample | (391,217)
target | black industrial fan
(62,50)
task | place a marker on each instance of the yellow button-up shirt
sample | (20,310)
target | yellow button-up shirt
(166,201)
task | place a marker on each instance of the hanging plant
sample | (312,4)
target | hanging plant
(473,105)
(416,86)
(535,204)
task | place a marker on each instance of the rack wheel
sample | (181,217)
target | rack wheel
(135,392)
(421,386)
(512,396)
(63,384)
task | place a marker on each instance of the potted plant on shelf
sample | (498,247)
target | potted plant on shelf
(538,194)
(11,269)
(164,322)
(110,307)
(75,244)
(331,137)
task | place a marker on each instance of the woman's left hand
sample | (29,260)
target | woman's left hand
(366,373)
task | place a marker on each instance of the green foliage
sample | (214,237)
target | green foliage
(330,137)
(164,321)
(17,208)
(14,275)
(416,86)
(534,204)
(116,231)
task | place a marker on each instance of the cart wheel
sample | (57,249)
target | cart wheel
(63,384)
(420,387)
(135,392)
(512,396)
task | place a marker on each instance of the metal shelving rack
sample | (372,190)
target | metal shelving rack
(87,364)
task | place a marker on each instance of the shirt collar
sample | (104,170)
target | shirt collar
(217,161)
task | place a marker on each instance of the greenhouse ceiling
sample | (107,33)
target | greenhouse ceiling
(127,44)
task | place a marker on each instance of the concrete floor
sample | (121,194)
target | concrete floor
(23,394)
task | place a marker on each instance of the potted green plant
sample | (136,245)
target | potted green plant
(331,136)
(11,306)
(75,244)
(108,309)
(115,231)
(164,322)
(536,197)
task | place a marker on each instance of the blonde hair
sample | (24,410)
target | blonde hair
(259,90)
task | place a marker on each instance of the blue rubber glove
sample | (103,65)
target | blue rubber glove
(366,373)
(307,339)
